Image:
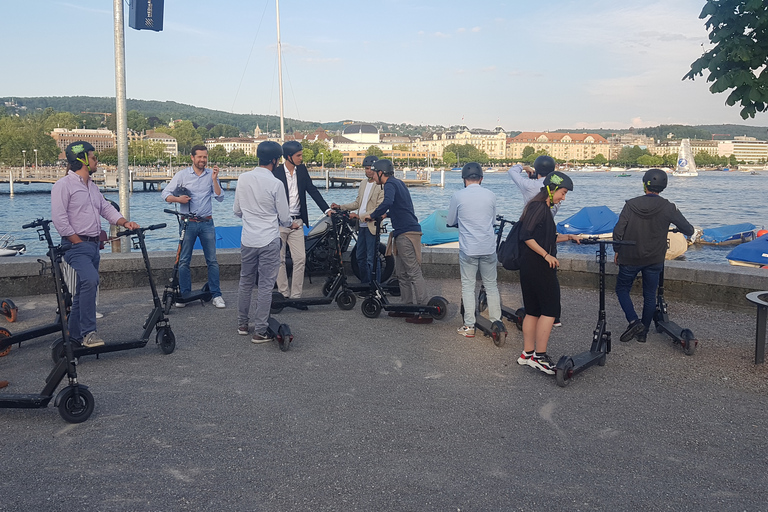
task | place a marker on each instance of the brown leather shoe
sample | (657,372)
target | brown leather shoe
(3,383)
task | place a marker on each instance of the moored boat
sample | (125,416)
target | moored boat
(8,248)
(751,254)
(728,235)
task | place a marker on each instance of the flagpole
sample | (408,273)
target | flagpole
(280,73)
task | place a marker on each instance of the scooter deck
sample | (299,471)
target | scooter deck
(29,335)
(23,401)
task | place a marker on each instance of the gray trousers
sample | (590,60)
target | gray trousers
(263,261)
(413,288)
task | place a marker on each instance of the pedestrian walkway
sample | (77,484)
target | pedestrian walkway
(378,414)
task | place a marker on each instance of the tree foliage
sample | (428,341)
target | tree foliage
(739,31)
(375,151)
(467,153)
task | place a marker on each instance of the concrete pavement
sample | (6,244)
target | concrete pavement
(378,414)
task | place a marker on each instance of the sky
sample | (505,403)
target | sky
(522,65)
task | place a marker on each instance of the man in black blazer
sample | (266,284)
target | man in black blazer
(295,177)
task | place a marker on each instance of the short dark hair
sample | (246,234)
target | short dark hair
(198,147)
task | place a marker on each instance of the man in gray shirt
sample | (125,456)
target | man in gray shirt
(261,202)
(474,210)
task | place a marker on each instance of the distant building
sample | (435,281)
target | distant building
(100,139)
(171,146)
(562,146)
(361,133)
(745,149)
(672,147)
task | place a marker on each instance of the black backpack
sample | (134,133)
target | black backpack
(509,250)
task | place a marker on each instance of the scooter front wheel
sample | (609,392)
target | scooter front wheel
(167,302)
(371,307)
(76,409)
(166,339)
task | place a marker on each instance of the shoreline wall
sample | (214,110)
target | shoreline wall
(703,283)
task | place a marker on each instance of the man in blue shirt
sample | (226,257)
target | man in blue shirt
(406,233)
(201,184)
(474,209)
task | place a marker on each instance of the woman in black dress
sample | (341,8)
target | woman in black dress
(538,270)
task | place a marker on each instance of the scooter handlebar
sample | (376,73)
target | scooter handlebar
(34,224)
(595,240)
(190,216)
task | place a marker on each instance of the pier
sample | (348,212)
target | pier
(154,178)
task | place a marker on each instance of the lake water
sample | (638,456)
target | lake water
(709,200)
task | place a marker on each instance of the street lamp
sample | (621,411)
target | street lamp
(24,158)
(35,160)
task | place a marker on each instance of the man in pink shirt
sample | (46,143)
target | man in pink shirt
(77,206)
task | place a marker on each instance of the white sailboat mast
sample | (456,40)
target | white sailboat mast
(280,73)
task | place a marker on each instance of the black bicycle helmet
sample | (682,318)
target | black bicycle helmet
(655,180)
(544,165)
(77,154)
(268,151)
(556,180)
(181,191)
(369,160)
(471,170)
(291,147)
(384,166)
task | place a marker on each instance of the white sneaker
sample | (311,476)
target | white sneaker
(180,305)
(218,302)
(92,340)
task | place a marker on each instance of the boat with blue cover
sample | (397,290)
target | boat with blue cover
(750,254)
(728,235)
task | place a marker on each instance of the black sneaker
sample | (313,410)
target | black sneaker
(642,336)
(543,362)
(634,328)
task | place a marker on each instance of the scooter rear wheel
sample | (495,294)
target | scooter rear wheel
(498,333)
(371,307)
(57,350)
(346,300)
(276,296)
(9,310)
(689,342)
(563,376)
(442,307)
(520,314)
(5,333)
(76,409)
(166,339)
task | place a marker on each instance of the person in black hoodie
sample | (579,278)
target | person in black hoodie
(644,220)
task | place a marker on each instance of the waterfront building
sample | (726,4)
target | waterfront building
(746,149)
(493,142)
(562,146)
(672,147)
(100,139)
(171,146)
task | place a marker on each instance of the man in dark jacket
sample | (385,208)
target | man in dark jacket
(295,177)
(644,220)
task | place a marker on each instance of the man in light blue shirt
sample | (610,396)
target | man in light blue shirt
(474,210)
(261,202)
(198,185)
(530,179)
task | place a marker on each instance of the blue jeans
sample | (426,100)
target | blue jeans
(206,232)
(469,265)
(624,280)
(84,259)
(366,255)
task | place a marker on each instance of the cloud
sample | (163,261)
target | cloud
(461,30)
(475,29)
(488,69)
(441,35)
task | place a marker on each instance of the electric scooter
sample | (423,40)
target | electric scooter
(6,338)
(663,324)
(437,307)
(156,319)
(337,289)
(515,316)
(74,401)
(172,293)
(569,366)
